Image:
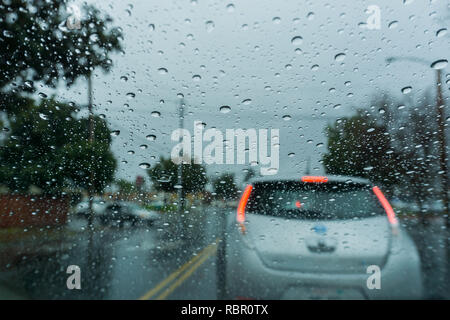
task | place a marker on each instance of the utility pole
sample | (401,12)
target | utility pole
(440,106)
(91,140)
(180,166)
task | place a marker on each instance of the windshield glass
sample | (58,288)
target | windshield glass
(129,131)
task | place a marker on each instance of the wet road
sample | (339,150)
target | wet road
(115,263)
(137,263)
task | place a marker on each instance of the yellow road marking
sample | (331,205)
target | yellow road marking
(186,275)
(176,273)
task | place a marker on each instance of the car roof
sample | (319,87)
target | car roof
(297,177)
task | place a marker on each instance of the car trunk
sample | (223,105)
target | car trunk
(323,246)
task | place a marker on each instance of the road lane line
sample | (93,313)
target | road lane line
(176,273)
(187,274)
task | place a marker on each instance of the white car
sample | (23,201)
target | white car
(316,237)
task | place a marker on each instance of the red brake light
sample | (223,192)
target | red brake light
(386,205)
(243,203)
(314,179)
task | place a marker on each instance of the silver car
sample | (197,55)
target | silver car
(316,237)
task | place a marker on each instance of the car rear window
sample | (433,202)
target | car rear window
(313,201)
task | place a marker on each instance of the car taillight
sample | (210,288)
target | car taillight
(314,179)
(241,207)
(387,207)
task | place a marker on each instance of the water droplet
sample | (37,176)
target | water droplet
(144,165)
(162,71)
(230,7)
(296,41)
(42,95)
(130,152)
(209,26)
(43,116)
(151,137)
(124,78)
(156,114)
(291,154)
(315,67)
(393,24)
(151,27)
(247,102)
(276,20)
(407,90)
(441,32)
(225,109)
(7,34)
(439,64)
(131,95)
(115,133)
(196,77)
(339,57)
(287,117)
(310,16)
(143,146)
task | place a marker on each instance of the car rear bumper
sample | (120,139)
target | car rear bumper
(248,277)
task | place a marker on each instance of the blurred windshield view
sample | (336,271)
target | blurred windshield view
(202,149)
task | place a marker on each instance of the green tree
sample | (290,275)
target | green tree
(164,176)
(38,47)
(48,147)
(225,187)
(126,187)
(361,146)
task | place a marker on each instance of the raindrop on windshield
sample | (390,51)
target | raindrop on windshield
(209,26)
(406,90)
(144,165)
(339,57)
(439,64)
(296,41)
(441,32)
(225,109)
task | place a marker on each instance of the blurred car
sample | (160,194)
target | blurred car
(316,238)
(143,215)
(98,207)
(122,212)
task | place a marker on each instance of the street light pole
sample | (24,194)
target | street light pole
(440,105)
(440,110)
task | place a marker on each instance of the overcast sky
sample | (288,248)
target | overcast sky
(244,50)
